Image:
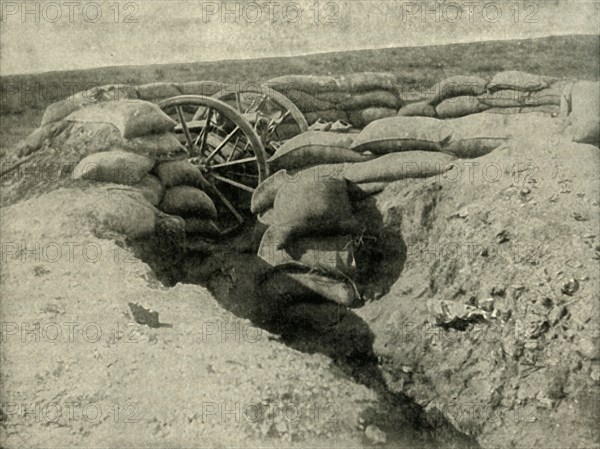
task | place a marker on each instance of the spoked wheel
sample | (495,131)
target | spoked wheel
(273,116)
(226,149)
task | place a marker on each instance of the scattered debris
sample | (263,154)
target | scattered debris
(141,315)
(570,287)
(375,434)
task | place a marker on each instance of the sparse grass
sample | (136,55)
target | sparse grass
(560,56)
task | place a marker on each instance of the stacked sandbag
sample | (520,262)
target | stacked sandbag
(358,98)
(315,148)
(185,197)
(308,243)
(509,92)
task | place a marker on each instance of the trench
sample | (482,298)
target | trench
(229,270)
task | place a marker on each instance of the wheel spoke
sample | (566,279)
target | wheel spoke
(260,103)
(227,204)
(186,131)
(235,147)
(238,162)
(276,123)
(239,185)
(204,133)
(221,145)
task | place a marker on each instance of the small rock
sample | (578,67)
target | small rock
(557,314)
(595,374)
(375,434)
(502,237)
(570,287)
(486,304)
(497,291)
(526,191)
(141,315)
(579,217)
(531,345)
(589,349)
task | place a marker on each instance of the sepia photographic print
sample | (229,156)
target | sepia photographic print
(299,224)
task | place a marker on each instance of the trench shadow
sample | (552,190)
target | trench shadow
(312,325)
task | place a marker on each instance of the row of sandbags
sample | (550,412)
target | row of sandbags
(153,92)
(131,143)
(357,98)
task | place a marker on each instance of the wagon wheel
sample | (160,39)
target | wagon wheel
(274,117)
(226,149)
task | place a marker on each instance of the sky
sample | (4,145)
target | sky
(39,36)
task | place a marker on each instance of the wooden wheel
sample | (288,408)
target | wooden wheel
(274,117)
(226,149)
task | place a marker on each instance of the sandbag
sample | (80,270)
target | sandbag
(265,193)
(202,227)
(296,281)
(420,109)
(366,81)
(188,202)
(503,99)
(163,146)
(307,102)
(398,166)
(549,96)
(503,111)
(331,115)
(307,83)
(315,148)
(40,137)
(131,119)
(118,167)
(479,134)
(584,119)
(516,80)
(334,252)
(401,134)
(157,91)
(375,98)
(335,97)
(114,93)
(457,86)
(459,107)
(363,117)
(205,88)
(152,189)
(179,173)
(310,207)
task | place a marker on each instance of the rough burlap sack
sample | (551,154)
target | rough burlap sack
(459,107)
(515,80)
(398,166)
(109,93)
(457,86)
(296,282)
(366,81)
(178,173)
(335,97)
(504,99)
(205,88)
(118,167)
(163,146)
(131,119)
(315,148)
(307,102)
(202,227)
(331,115)
(503,111)
(307,83)
(334,252)
(40,137)
(584,117)
(188,202)
(265,193)
(310,208)
(479,134)
(375,98)
(549,96)
(157,91)
(420,109)
(395,134)
(363,117)
(152,189)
